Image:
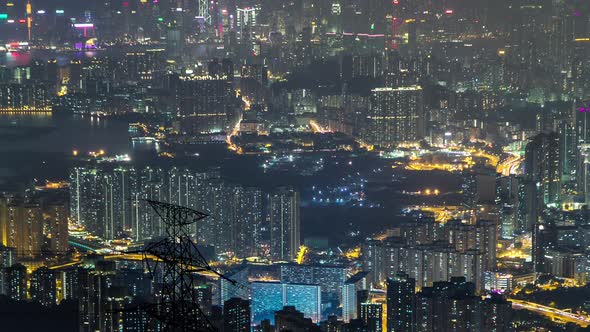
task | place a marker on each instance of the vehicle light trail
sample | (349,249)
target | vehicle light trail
(552,313)
(317,128)
(509,166)
(230,145)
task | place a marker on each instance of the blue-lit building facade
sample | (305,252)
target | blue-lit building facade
(350,299)
(269,297)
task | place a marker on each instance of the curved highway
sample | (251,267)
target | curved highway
(552,313)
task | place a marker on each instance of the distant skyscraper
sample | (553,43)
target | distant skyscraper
(219,228)
(174,41)
(400,303)
(372,315)
(95,288)
(544,239)
(583,173)
(43,286)
(497,314)
(100,200)
(481,237)
(136,320)
(350,300)
(285,223)
(206,104)
(246,18)
(122,180)
(149,186)
(543,167)
(236,313)
(434,261)
(84,196)
(395,115)
(58,227)
(248,223)
(21,227)
(7,256)
(15,282)
(543,172)
(24,97)
(449,306)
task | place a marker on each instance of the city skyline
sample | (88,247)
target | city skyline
(303,166)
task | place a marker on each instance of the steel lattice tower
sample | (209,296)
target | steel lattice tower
(204,11)
(174,261)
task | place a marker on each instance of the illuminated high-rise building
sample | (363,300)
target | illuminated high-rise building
(141,66)
(481,237)
(430,262)
(583,171)
(84,195)
(136,320)
(206,104)
(175,44)
(71,282)
(236,312)
(29,9)
(543,172)
(246,18)
(449,306)
(285,224)
(372,315)
(249,221)
(15,282)
(395,115)
(95,286)
(43,286)
(57,215)
(218,229)
(149,186)
(330,278)
(236,221)
(123,180)
(350,299)
(181,187)
(21,227)
(204,12)
(25,96)
(497,314)
(400,303)
(267,297)
(305,298)
(543,167)
(7,256)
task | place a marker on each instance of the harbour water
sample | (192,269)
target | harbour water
(40,145)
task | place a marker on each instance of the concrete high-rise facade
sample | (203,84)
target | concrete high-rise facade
(395,115)
(57,217)
(400,303)
(206,104)
(543,167)
(285,224)
(236,312)
(21,227)
(372,315)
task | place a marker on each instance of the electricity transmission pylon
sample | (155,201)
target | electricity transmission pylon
(172,263)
